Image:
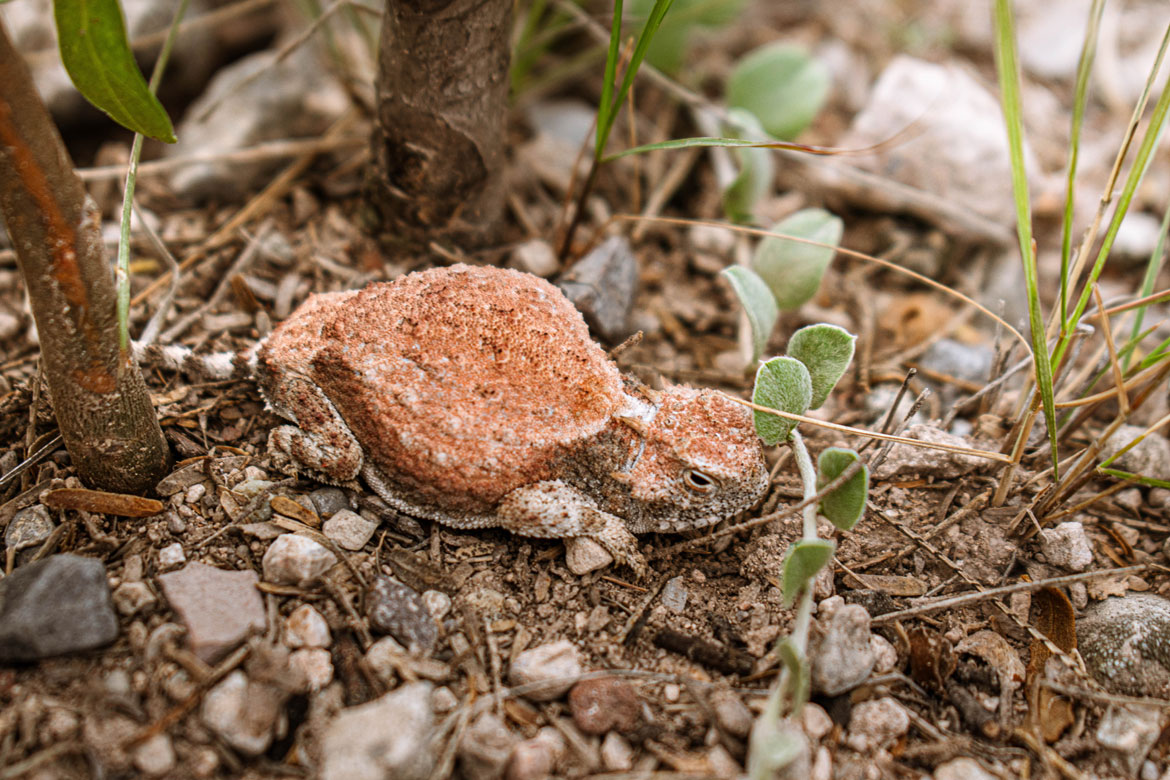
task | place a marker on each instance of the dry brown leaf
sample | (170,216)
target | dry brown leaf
(101,502)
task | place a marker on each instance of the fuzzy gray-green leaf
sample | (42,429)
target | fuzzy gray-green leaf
(757,301)
(92,38)
(845,505)
(782,84)
(804,559)
(793,270)
(782,383)
(756,170)
(826,351)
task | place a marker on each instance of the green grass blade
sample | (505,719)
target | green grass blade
(1080,97)
(1153,267)
(606,106)
(1009,82)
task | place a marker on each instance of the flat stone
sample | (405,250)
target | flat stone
(732,715)
(547,664)
(583,555)
(602,286)
(243,712)
(219,608)
(389,737)
(844,657)
(1150,457)
(674,595)
(29,527)
(604,704)
(350,530)
(1067,546)
(54,606)
(877,723)
(395,609)
(485,747)
(171,556)
(305,627)
(133,597)
(910,460)
(296,560)
(329,500)
(1125,642)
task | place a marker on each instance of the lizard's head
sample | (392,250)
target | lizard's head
(699,461)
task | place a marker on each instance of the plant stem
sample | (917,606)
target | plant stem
(808,475)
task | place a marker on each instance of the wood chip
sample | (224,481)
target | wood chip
(98,501)
(286,506)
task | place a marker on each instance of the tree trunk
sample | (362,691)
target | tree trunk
(101,403)
(442,97)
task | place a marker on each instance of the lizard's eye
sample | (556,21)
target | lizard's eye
(699,482)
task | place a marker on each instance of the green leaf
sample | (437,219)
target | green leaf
(782,85)
(793,270)
(826,351)
(772,745)
(804,559)
(796,662)
(845,505)
(757,301)
(756,170)
(92,38)
(669,47)
(782,383)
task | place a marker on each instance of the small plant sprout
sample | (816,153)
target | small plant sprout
(817,358)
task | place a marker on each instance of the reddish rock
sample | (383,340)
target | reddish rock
(605,704)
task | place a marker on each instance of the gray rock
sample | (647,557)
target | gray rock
(731,713)
(133,597)
(57,605)
(583,555)
(535,257)
(171,556)
(602,286)
(329,500)
(1149,458)
(1125,642)
(219,608)
(1067,546)
(674,595)
(554,664)
(251,101)
(485,747)
(958,150)
(844,656)
(395,609)
(243,712)
(909,460)
(292,559)
(350,530)
(29,527)
(1128,732)
(877,723)
(962,769)
(970,362)
(387,737)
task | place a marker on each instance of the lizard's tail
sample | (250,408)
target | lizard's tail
(210,367)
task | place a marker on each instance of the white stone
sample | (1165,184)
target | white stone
(226,711)
(557,661)
(350,530)
(962,769)
(437,603)
(537,257)
(1067,546)
(877,723)
(616,753)
(884,654)
(133,597)
(815,721)
(583,555)
(171,556)
(296,560)
(1128,732)
(387,737)
(843,658)
(156,756)
(384,657)
(305,627)
(315,666)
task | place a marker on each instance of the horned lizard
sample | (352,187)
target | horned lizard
(475,397)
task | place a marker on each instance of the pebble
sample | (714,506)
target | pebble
(617,755)
(442,700)
(314,665)
(1130,499)
(29,527)
(604,704)
(395,609)
(485,747)
(885,656)
(240,711)
(156,756)
(350,530)
(671,693)
(877,723)
(131,598)
(536,256)
(815,721)
(910,460)
(81,618)
(180,479)
(543,664)
(732,715)
(962,769)
(219,608)
(844,656)
(583,555)
(384,657)
(602,285)
(437,603)
(1159,498)
(1149,458)
(387,737)
(536,758)
(171,556)
(971,362)
(1128,732)
(674,595)
(1125,642)
(195,493)
(296,560)
(305,627)
(1067,546)
(328,501)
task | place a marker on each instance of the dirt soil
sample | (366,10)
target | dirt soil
(935,532)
